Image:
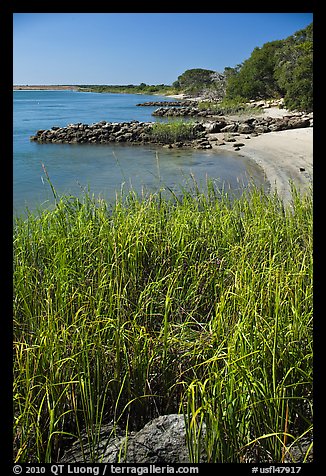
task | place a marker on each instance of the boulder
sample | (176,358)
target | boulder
(245,128)
(230,128)
(162,440)
(298,122)
(262,129)
(214,126)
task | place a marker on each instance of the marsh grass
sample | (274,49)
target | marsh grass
(173,131)
(200,304)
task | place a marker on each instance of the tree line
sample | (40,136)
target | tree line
(281,68)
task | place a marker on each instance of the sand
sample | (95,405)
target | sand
(284,156)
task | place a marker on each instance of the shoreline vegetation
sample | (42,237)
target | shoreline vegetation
(198,304)
(123,89)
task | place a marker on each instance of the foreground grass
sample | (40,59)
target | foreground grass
(149,306)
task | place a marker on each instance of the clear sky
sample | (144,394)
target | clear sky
(130,48)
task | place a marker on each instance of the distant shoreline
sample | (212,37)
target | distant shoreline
(44,87)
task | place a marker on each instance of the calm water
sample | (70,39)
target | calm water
(104,168)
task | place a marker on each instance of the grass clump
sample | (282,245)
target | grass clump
(173,131)
(228,106)
(148,306)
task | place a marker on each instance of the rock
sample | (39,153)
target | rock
(162,440)
(230,128)
(183,111)
(299,451)
(215,126)
(204,146)
(262,128)
(238,144)
(297,123)
(245,128)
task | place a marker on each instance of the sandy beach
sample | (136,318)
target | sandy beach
(284,156)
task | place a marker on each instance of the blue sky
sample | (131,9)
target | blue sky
(130,48)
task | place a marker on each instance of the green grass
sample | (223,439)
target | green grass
(173,131)
(230,106)
(149,305)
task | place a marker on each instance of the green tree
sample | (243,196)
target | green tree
(255,78)
(279,68)
(198,81)
(294,70)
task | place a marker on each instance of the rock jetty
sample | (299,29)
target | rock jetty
(190,110)
(100,132)
(260,125)
(136,132)
(103,132)
(168,103)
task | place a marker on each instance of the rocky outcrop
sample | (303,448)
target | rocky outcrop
(270,124)
(162,440)
(103,132)
(136,132)
(191,111)
(100,132)
(260,125)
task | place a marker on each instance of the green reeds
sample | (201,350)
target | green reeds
(152,305)
(173,131)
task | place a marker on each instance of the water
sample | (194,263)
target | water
(104,169)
